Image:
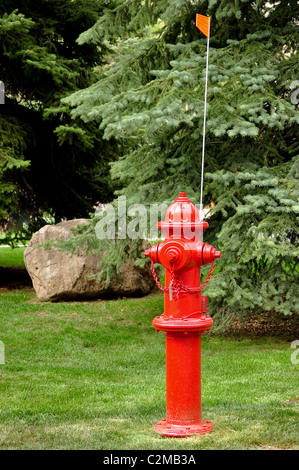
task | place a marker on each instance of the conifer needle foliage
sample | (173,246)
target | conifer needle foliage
(48,162)
(149,99)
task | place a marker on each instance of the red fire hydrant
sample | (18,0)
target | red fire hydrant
(185,315)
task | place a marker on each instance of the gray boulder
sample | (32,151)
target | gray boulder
(58,275)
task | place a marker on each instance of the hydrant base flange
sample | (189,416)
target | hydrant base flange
(172,430)
(201,324)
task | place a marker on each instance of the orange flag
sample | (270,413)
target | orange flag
(203,23)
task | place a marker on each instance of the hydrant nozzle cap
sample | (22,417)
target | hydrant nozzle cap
(217,254)
(147,253)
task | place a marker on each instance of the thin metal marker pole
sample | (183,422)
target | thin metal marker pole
(204,133)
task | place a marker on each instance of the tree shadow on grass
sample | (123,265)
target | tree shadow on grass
(14,278)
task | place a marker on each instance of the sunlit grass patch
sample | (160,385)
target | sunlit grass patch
(91,375)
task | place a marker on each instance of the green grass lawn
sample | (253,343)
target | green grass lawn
(91,375)
(12,257)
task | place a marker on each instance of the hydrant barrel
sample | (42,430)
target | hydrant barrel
(183,364)
(185,316)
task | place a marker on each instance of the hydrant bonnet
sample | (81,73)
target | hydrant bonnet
(182,219)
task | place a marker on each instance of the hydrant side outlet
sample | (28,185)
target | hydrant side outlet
(185,316)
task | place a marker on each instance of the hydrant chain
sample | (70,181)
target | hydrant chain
(177,286)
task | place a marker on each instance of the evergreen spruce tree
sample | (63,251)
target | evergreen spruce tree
(149,98)
(258,207)
(48,162)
